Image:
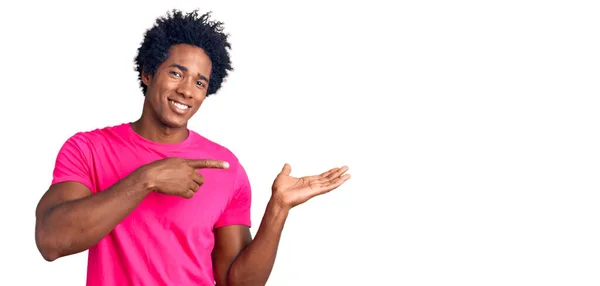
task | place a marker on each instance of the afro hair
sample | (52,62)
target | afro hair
(192,29)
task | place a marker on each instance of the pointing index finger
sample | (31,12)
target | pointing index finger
(207,163)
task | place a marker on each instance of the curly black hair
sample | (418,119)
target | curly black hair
(193,29)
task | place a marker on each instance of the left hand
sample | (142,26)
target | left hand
(291,191)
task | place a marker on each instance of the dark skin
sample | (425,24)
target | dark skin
(70,219)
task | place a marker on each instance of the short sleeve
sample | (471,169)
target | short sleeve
(73,162)
(238,209)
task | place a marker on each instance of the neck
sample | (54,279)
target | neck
(154,130)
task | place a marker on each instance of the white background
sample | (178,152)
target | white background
(472,130)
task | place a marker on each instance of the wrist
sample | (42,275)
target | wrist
(144,180)
(278,206)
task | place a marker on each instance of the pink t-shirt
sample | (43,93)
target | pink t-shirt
(166,240)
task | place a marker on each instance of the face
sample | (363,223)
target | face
(178,87)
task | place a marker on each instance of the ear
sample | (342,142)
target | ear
(146,78)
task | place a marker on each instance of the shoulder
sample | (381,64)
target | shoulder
(86,144)
(103,134)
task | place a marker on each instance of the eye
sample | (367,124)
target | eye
(200,83)
(174,73)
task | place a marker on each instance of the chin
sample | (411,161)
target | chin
(174,122)
(175,126)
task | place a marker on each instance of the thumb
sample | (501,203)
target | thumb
(287,169)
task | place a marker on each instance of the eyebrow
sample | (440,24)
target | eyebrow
(186,69)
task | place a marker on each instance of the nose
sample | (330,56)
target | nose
(185,88)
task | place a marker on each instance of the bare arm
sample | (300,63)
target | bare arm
(69,219)
(239,260)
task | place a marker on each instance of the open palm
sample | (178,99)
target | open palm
(293,191)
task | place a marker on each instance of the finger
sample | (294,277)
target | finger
(327,176)
(197,178)
(329,185)
(323,176)
(188,195)
(287,169)
(193,186)
(337,173)
(327,173)
(337,181)
(207,163)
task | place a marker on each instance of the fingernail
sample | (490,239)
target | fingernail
(225,165)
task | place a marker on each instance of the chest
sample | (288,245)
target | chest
(159,211)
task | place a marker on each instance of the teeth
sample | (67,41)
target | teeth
(179,105)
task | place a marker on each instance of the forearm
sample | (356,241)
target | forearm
(253,266)
(75,226)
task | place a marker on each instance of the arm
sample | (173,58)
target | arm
(69,219)
(239,260)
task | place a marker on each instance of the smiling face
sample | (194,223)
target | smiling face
(178,87)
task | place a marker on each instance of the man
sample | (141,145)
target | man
(156,203)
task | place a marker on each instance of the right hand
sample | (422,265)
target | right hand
(178,177)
